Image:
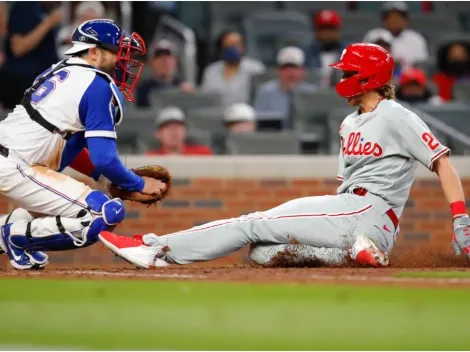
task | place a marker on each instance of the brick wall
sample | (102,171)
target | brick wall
(425,222)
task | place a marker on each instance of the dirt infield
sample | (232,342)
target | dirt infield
(237,268)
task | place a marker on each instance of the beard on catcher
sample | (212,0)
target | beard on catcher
(356,146)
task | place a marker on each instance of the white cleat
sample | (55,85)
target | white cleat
(365,252)
(145,251)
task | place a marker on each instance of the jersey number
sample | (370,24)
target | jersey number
(48,86)
(430,140)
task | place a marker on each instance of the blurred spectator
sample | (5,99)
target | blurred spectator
(453,61)
(172,133)
(85,11)
(380,36)
(327,46)
(240,118)
(408,47)
(231,76)
(413,88)
(3,29)
(275,96)
(30,47)
(164,64)
(384,38)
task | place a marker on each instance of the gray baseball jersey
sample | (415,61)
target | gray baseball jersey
(379,153)
(380,150)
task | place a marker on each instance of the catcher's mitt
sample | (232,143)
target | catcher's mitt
(153,171)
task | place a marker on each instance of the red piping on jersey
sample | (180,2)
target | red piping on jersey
(295,216)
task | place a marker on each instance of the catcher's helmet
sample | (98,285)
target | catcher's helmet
(371,64)
(108,35)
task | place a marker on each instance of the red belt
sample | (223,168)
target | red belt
(390,213)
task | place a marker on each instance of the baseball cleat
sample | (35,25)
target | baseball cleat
(365,252)
(21,259)
(144,251)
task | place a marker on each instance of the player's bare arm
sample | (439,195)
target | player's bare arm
(453,191)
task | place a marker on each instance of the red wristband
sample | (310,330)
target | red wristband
(458,208)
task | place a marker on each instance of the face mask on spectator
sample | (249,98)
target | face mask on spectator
(232,54)
(330,45)
(415,99)
(457,67)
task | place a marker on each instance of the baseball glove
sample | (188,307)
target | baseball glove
(153,171)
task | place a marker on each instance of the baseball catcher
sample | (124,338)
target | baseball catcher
(381,144)
(68,118)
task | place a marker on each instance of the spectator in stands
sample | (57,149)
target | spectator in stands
(384,38)
(275,96)
(30,47)
(3,29)
(231,76)
(164,62)
(327,46)
(453,61)
(240,118)
(409,47)
(413,88)
(84,11)
(171,134)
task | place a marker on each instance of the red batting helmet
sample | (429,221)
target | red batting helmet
(373,66)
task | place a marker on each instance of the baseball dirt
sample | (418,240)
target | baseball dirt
(238,268)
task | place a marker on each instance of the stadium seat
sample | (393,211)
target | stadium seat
(185,101)
(443,38)
(268,32)
(462,92)
(311,76)
(357,24)
(456,115)
(334,120)
(310,111)
(430,25)
(224,10)
(208,119)
(461,10)
(310,7)
(264,143)
(376,6)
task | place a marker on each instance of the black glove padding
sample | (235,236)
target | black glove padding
(461,239)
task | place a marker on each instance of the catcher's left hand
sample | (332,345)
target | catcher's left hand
(151,171)
(461,239)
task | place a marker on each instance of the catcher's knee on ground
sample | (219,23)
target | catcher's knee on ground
(64,233)
(286,255)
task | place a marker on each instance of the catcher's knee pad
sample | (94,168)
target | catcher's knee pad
(16,215)
(61,233)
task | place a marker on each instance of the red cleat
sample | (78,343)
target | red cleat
(143,252)
(365,252)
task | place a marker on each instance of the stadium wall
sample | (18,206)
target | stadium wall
(212,188)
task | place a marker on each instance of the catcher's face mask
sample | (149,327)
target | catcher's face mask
(128,68)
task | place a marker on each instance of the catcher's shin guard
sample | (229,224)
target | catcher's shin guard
(20,259)
(61,233)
